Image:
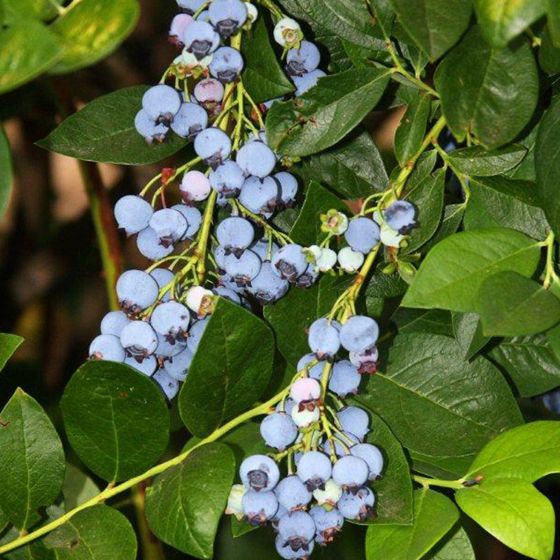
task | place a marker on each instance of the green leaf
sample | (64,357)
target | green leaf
(433,321)
(263,77)
(467,330)
(451,275)
(353,169)
(503,202)
(34,551)
(27,48)
(480,86)
(530,362)
(549,55)
(90,30)
(456,547)
(412,128)
(185,504)
(325,114)
(6,174)
(384,286)
(39,9)
(77,488)
(514,512)
(318,200)
(502,20)
(104,131)
(434,515)
(230,370)
(9,343)
(528,452)
(435,401)
(548,164)
(435,25)
(479,162)
(427,197)
(96,533)
(116,419)
(452,218)
(553,20)
(446,467)
(31,462)
(511,305)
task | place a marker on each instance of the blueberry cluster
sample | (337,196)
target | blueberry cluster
(329,465)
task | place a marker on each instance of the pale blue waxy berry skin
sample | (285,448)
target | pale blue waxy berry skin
(341,445)
(227,63)
(344,379)
(213,146)
(166,349)
(286,551)
(354,420)
(259,473)
(359,333)
(366,360)
(260,196)
(357,506)
(169,225)
(316,371)
(114,322)
(288,187)
(193,217)
(148,128)
(327,523)
(243,269)
(139,339)
(256,159)
(267,287)
(147,366)
(150,246)
(227,179)
(298,530)
(171,320)
(107,347)
(314,469)
(264,250)
(168,385)
(136,291)
(303,60)
(133,214)
(195,334)
(163,277)
(278,430)
(227,293)
(290,262)
(292,493)
(191,6)
(227,16)
(324,338)
(362,235)
(190,120)
(161,103)
(235,234)
(350,472)
(307,81)
(372,456)
(400,216)
(259,507)
(201,39)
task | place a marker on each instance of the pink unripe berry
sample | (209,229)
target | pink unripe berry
(195,186)
(305,389)
(209,91)
(178,27)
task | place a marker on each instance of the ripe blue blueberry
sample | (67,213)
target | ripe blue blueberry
(259,473)
(354,420)
(290,262)
(195,334)
(350,472)
(169,226)
(267,287)
(551,401)
(324,338)
(136,291)
(357,506)
(314,469)
(149,245)
(286,551)
(189,120)
(344,379)
(227,16)
(362,234)
(288,187)
(372,456)
(178,28)
(227,179)
(315,371)
(148,128)
(163,277)
(227,64)
(133,214)
(307,81)
(193,217)
(259,507)
(201,39)
(359,333)
(260,196)
(278,430)
(297,529)
(308,278)
(401,216)
(191,6)
(256,158)
(264,249)
(213,146)
(228,294)
(167,350)
(107,347)
(146,367)
(303,60)
(114,322)
(366,360)
(168,385)
(235,234)
(161,103)
(341,444)
(243,269)
(292,493)
(139,340)
(327,523)
(171,320)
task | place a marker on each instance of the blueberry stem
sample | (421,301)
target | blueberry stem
(428,482)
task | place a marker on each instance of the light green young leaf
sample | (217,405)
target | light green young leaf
(457,546)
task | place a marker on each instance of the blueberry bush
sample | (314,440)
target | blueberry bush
(330,352)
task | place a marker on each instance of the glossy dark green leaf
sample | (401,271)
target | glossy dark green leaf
(89,30)
(512,305)
(451,275)
(325,114)
(34,551)
(436,466)
(435,401)
(6,176)
(549,55)
(31,462)
(553,20)
(502,20)
(78,487)
(318,200)
(548,165)
(467,329)
(480,86)
(528,452)
(104,131)
(9,343)
(452,218)
(412,128)
(434,515)
(503,202)
(116,419)
(530,362)
(434,321)
(230,370)
(383,285)
(435,25)
(515,512)
(353,168)
(27,48)
(185,504)
(96,533)
(263,76)
(455,546)
(427,197)
(478,162)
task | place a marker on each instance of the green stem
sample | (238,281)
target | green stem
(550,273)
(204,236)
(428,482)
(112,491)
